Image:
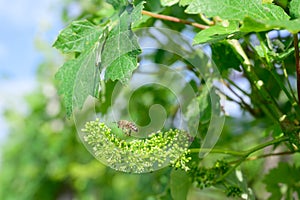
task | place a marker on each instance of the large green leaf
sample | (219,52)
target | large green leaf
(256,25)
(116,51)
(117,3)
(78,36)
(119,57)
(295,8)
(121,69)
(217,33)
(179,184)
(204,103)
(185,2)
(76,80)
(136,14)
(237,9)
(221,51)
(283,176)
(168,2)
(66,75)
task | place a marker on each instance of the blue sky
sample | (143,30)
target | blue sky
(21,22)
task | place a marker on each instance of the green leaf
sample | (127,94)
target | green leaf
(295,8)
(80,69)
(121,68)
(131,15)
(136,15)
(267,1)
(117,3)
(256,25)
(217,33)
(185,2)
(204,105)
(283,175)
(220,54)
(237,9)
(78,77)
(78,36)
(168,2)
(252,25)
(66,76)
(119,56)
(179,184)
(192,114)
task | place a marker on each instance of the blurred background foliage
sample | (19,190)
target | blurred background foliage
(42,158)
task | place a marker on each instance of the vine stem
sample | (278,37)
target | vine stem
(270,154)
(263,145)
(250,151)
(220,151)
(272,70)
(269,106)
(296,46)
(237,87)
(287,80)
(174,19)
(242,102)
(244,153)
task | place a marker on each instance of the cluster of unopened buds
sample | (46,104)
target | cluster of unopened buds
(138,155)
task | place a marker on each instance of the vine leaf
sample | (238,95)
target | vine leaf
(117,3)
(136,15)
(295,8)
(185,2)
(66,75)
(179,184)
(78,78)
(80,69)
(120,53)
(286,175)
(253,15)
(121,68)
(217,33)
(78,36)
(221,51)
(237,9)
(257,25)
(168,2)
(204,105)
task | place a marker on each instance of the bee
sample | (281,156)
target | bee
(127,126)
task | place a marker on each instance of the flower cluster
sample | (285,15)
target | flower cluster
(233,191)
(206,177)
(138,155)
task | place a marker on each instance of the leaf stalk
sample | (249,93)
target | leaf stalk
(296,46)
(174,19)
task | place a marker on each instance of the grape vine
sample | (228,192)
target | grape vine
(242,42)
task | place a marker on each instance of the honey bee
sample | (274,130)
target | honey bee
(127,126)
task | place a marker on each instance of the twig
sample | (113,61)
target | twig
(174,19)
(288,81)
(271,108)
(297,64)
(217,151)
(270,154)
(264,156)
(246,106)
(250,151)
(238,87)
